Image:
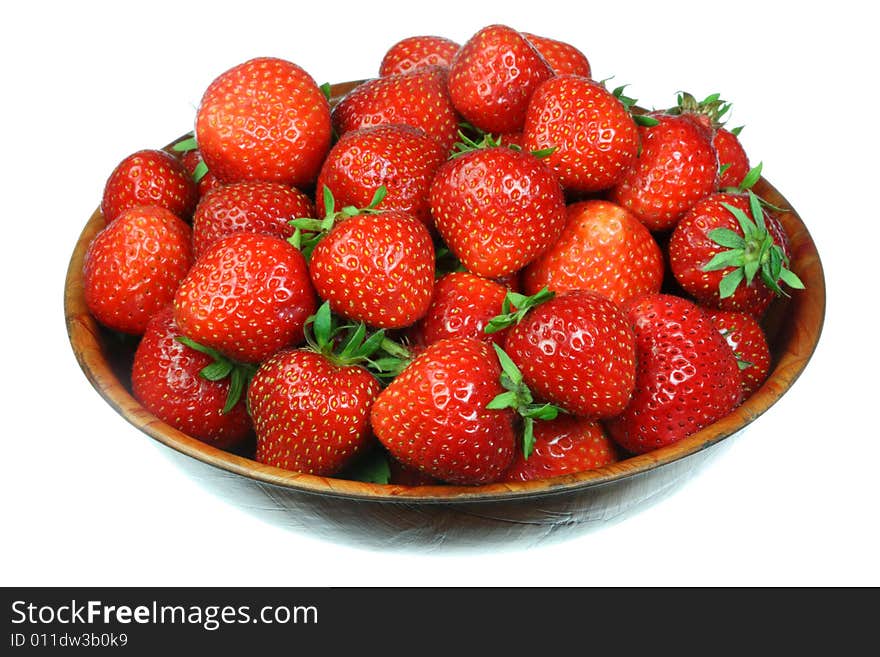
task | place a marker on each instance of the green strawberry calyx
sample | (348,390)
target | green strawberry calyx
(483,140)
(307,232)
(239,374)
(514,309)
(640,116)
(352,344)
(713,107)
(518,397)
(750,254)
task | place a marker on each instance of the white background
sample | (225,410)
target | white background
(87,499)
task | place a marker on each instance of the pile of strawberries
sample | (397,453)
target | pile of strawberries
(483,265)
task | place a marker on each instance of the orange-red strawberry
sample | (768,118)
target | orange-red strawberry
(564,445)
(593,137)
(604,248)
(746,337)
(562,57)
(497,209)
(732,158)
(134,265)
(728,253)
(265,119)
(311,406)
(247,296)
(575,350)
(375,267)
(253,207)
(687,376)
(149,177)
(417,52)
(677,167)
(461,306)
(434,416)
(167,379)
(419,99)
(399,157)
(493,76)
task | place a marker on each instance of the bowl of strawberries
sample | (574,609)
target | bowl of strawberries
(480,288)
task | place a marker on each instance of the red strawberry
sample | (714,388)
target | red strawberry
(149,177)
(677,167)
(195,165)
(434,416)
(375,267)
(253,207)
(565,445)
(418,99)
(497,209)
(603,247)
(311,407)
(746,337)
(593,136)
(687,376)
(399,157)
(493,76)
(166,379)
(417,52)
(134,265)
(462,306)
(562,57)
(247,297)
(732,158)
(576,351)
(729,253)
(265,119)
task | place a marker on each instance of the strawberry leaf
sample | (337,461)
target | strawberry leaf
(730,282)
(200,171)
(726,238)
(645,120)
(185,145)
(508,366)
(523,305)
(791,279)
(752,177)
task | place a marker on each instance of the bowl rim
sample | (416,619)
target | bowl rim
(801,333)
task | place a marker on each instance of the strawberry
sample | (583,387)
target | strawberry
(264,119)
(593,136)
(604,248)
(401,158)
(149,177)
(709,112)
(311,406)
(372,266)
(417,52)
(434,416)
(746,337)
(247,297)
(728,253)
(576,350)
(497,209)
(461,306)
(687,376)
(493,76)
(677,167)
(253,207)
(185,387)
(562,57)
(134,265)
(565,445)
(419,99)
(732,158)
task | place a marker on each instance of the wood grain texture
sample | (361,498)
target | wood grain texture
(793,325)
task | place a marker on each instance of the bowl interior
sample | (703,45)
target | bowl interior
(793,326)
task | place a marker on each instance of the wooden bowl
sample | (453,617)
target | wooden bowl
(379,513)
